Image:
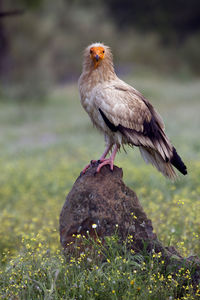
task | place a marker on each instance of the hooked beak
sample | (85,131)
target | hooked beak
(97,57)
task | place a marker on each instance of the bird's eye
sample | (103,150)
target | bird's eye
(103,51)
(91,51)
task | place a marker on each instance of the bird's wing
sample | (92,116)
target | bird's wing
(122,106)
(125,109)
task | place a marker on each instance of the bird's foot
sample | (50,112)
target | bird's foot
(104,162)
(87,167)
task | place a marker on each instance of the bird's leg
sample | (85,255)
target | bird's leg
(87,167)
(108,161)
(105,153)
(100,160)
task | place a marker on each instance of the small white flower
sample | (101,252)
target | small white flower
(89,259)
(94,225)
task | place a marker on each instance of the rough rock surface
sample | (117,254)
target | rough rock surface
(103,199)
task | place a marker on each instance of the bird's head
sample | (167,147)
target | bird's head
(98,58)
(97,54)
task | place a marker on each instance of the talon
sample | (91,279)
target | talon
(87,167)
(103,161)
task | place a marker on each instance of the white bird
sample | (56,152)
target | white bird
(123,114)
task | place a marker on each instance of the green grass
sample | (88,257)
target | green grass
(43,149)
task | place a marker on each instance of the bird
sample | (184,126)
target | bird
(123,115)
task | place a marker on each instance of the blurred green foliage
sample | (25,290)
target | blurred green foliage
(173,20)
(43,46)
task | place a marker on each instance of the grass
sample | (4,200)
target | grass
(43,149)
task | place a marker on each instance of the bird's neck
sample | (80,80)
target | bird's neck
(104,72)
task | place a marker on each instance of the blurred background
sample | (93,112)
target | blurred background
(46,138)
(41,41)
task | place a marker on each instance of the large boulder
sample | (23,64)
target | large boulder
(100,203)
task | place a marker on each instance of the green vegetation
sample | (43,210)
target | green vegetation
(43,149)
(44,44)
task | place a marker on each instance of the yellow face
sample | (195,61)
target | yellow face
(97,54)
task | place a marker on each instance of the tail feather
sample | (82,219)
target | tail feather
(177,162)
(156,150)
(153,157)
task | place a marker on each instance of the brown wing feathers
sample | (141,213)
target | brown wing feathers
(154,131)
(150,134)
(110,125)
(153,134)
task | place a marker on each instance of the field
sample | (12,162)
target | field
(43,149)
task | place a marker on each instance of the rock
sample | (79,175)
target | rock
(103,199)
(100,205)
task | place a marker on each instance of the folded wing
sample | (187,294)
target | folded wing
(125,110)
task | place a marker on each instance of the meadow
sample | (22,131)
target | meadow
(44,146)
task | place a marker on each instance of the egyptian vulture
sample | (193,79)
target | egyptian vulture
(123,114)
